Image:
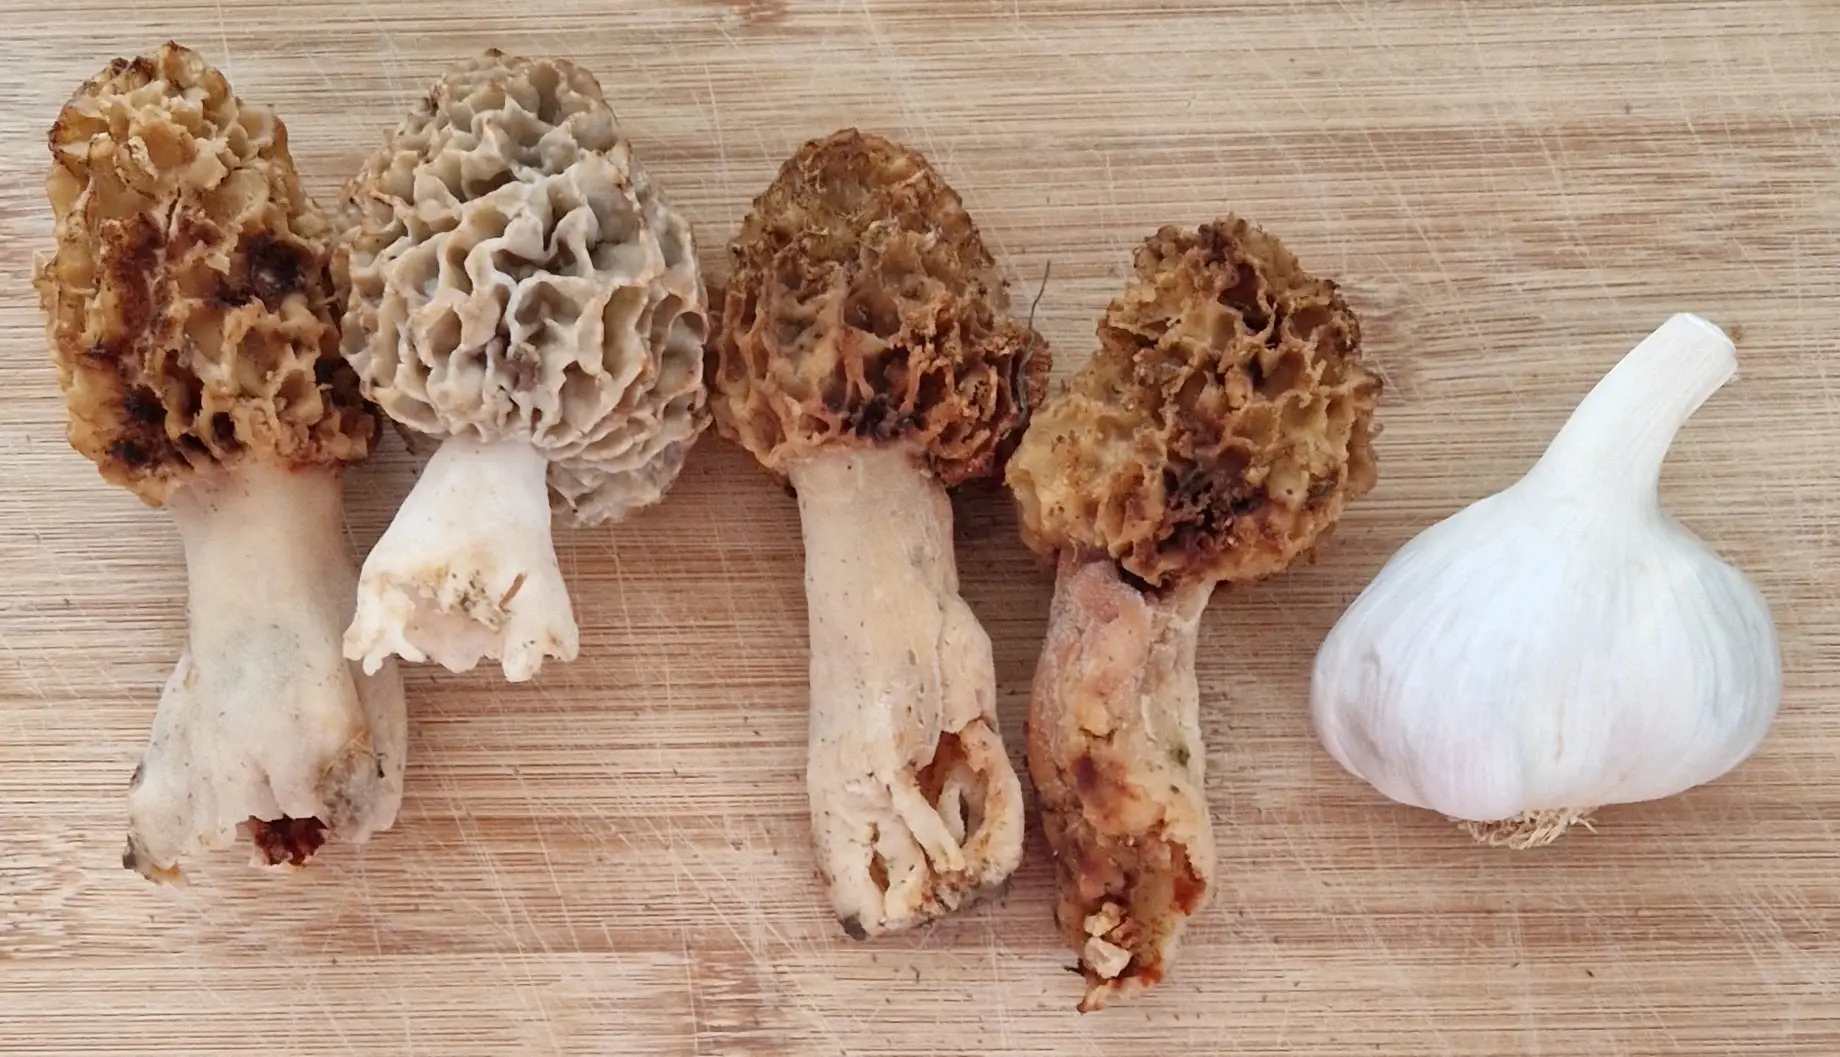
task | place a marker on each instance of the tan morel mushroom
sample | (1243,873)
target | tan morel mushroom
(865,354)
(1215,436)
(190,316)
(518,289)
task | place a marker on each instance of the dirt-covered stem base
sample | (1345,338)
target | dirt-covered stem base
(1116,756)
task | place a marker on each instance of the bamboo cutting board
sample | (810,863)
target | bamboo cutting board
(613,859)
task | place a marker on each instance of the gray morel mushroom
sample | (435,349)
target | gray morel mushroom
(1215,436)
(864,353)
(518,289)
(190,315)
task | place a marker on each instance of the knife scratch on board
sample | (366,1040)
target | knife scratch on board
(715,123)
(228,66)
(894,66)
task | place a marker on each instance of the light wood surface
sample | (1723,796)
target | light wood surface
(613,860)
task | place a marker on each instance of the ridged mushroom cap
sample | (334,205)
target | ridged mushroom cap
(1221,427)
(512,274)
(862,308)
(188,304)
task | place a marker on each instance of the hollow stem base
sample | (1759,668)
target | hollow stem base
(916,810)
(265,734)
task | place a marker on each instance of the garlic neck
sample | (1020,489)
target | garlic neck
(1613,445)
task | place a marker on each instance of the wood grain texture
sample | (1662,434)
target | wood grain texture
(613,859)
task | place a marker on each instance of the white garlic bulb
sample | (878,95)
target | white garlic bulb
(1563,644)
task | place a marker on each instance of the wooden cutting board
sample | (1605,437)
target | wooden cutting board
(613,859)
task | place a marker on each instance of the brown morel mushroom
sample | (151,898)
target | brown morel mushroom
(1215,436)
(864,353)
(190,317)
(519,289)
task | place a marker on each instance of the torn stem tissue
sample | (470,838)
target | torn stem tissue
(467,569)
(916,810)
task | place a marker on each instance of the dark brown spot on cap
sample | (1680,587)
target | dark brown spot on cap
(277,270)
(143,405)
(129,454)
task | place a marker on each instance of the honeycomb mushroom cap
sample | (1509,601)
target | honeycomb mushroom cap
(512,274)
(189,308)
(1220,428)
(862,308)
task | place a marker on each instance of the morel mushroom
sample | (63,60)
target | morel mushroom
(190,317)
(864,353)
(1215,436)
(517,288)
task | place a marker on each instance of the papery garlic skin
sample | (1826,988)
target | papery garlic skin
(1564,644)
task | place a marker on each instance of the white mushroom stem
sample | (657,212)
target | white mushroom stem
(265,733)
(915,807)
(1116,756)
(466,570)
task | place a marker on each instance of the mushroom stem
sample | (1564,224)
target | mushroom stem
(1116,756)
(916,809)
(467,569)
(264,732)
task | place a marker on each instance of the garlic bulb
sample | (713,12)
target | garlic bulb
(1563,644)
